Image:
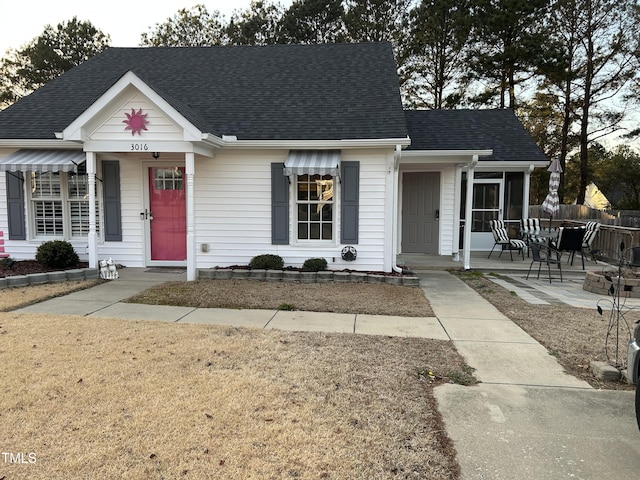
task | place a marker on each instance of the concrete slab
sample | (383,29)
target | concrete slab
(393,326)
(65,306)
(225,316)
(469,310)
(134,311)
(485,330)
(516,364)
(503,432)
(524,294)
(313,322)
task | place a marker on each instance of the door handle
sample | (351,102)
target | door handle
(438,214)
(146,215)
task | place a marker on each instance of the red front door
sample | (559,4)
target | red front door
(169,213)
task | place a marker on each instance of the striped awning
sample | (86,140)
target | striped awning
(312,162)
(42,161)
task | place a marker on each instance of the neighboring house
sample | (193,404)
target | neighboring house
(204,157)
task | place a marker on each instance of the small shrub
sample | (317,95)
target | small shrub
(314,265)
(267,261)
(57,254)
(7,262)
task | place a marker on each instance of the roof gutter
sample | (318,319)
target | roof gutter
(39,143)
(231,141)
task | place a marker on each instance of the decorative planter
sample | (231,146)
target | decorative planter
(595,282)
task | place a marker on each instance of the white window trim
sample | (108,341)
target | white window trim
(294,216)
(66,201)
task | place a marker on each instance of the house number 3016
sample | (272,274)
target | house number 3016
(139,147)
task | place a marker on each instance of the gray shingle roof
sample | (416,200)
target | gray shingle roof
(499,130)
(320,92)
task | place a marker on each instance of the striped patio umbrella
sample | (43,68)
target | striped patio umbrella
(551,204)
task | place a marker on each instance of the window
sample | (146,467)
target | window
(60,205)
(314,205)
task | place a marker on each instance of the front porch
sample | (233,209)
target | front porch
(419,262)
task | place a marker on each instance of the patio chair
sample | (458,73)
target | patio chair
(544,253)
(570,240)
(530,231)
(501,237)
(592,229)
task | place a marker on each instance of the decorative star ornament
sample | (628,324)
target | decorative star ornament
(136,121)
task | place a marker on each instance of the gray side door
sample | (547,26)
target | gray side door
(420,212)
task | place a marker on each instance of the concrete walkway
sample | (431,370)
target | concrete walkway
(105,300)
(527,419)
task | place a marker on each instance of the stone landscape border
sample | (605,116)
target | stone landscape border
(323,276)
(227,273)
(49,277)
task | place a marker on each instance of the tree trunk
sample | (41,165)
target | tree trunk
(584,121)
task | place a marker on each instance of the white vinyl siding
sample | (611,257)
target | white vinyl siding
(233,212)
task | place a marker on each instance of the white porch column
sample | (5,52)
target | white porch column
(467,213)
(191,216)
(92,237)
(457,200)
(390,203)
(525,192)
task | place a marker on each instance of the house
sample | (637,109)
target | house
(204,157)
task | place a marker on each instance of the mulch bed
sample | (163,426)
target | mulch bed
(25,267)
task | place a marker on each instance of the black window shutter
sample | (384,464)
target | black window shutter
(350,180)
(15,205)
(279,205)
(111,200)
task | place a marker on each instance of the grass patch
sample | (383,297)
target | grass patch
(354,298)
(100,398)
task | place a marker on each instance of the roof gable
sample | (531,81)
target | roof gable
(277,92)
(105,118)
(498,130)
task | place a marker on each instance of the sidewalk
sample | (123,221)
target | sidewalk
(527,419)
(105,301)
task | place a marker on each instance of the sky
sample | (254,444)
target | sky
(124,20)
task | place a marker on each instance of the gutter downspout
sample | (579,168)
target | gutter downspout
(467,213)
(394,221)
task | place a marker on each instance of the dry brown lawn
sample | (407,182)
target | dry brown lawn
(575,336)
(361,298)
(104,398)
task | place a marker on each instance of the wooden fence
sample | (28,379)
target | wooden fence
(616,227)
